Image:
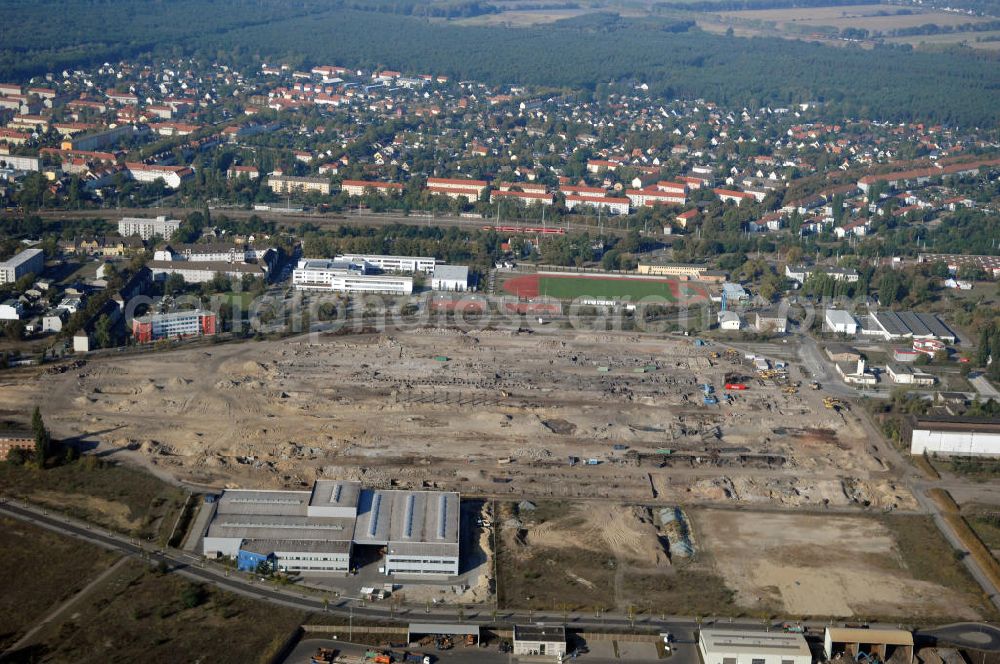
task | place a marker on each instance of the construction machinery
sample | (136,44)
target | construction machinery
(324,656)
(791,389)
(814,385)
(834,404)
(714,355)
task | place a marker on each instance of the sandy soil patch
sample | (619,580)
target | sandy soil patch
(820,565)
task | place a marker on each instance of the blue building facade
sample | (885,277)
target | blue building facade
(249,561)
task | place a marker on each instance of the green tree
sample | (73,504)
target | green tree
(192,595)
(43,441)
(173,284)
(102,332)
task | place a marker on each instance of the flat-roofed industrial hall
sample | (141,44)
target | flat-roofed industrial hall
(320,530)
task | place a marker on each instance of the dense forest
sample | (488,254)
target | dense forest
(590,52)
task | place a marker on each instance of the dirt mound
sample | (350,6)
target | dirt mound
(559,426)
(628,532)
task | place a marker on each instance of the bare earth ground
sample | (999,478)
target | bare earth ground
(499,418)
(602,557)
(822,565)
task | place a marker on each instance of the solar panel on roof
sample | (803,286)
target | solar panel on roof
(373,520)
(408,517)
(442,515)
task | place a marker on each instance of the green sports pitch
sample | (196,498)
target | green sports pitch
(569,288)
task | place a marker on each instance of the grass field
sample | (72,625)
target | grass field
(794,23)
(568,288)
(51,568)
(869,17)
(137,615)
(110,495)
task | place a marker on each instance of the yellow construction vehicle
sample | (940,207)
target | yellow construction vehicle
(834,404)
(714,355)
(790,390)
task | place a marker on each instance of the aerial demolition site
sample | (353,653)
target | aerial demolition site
(618,460)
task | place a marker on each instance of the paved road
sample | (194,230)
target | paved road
(193,567)
(965,635)
(985,389)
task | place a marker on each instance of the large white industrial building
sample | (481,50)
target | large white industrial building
(346,277)
(907,325)
(450,278)
(391,263)
(319,530)
(731,646)
(967,436)
(839,321)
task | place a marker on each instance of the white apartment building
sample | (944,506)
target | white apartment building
(211,252)
(800,273)
(195,272)
(29,261)
(454,188)
(287,184)
(360,187)
(609,205)
(172,176)
(650,197)
(147,228)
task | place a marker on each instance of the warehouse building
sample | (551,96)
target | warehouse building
(319,531)
(728,646)
(969,436)
(906,325)
(450,278)
(771,320)
(902,374)
(839,321)
(880,643)
(346,277)
(540,640)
